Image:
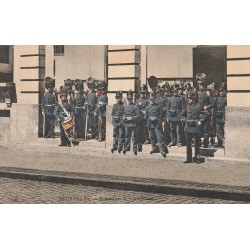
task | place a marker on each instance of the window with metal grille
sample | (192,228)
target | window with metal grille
(4,54)
(58,50)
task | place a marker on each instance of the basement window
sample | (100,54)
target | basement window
(58,50)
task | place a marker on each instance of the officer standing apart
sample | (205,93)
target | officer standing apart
(61,116)
(48,108)
(92,102)
(100,111)
(130,119)
(194,118)
(79,109)
(153,117)
(117,121)
(174,108)
(142,103)
(220,104)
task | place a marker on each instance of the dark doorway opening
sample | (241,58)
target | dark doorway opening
(211,60)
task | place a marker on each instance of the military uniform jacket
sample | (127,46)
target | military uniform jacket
(48,103)
(142,103)
(131,111)
(152,115)
(79,102)
(92,101)
(59,112)
(103,101)
(174,108)
(205,100)
(184,101)
(161,102)
(117,114)
(219,108)
(193,115)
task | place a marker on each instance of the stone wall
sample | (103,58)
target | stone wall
(237,131)
(21,126)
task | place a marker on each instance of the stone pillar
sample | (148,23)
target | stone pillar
(237,126)
(124,73)
(29,74)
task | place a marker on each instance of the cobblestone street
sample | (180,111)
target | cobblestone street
(33,192)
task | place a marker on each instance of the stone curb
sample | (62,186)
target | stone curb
(132,184)
(100,151)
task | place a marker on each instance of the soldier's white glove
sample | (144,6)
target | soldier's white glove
(95,114)
(199,123)
(83,107)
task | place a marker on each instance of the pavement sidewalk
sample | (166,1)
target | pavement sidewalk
(91,164)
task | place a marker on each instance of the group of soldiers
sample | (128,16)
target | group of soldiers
(170,115)
(85,107)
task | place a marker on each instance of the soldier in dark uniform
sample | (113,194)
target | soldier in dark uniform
(79,109)
(61,116)
(130,120)
(174,108)
(182,123)
(142,103)
(205,103)
(194,118)
(91,100)
(219,110)
(100,111)
(166,124)
(117,121)
(153,116)
(48,108)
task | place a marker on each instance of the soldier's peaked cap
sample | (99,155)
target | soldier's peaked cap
(118,94)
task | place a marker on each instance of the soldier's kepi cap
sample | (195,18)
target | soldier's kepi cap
(130,94)
(118,95)
(144,88)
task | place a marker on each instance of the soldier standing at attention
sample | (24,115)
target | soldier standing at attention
(92,102)
(153,117)
(194,118)
(220,104)
(130,119)
(142,103)
(61,116)
(100,110)
(185,101)
(166,125)
(205,104)
(174,108)
(118,128)
(79,109)
(48,108)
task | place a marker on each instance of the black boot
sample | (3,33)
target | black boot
(164,154)
(140,148)
(198,159)
(189,155)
